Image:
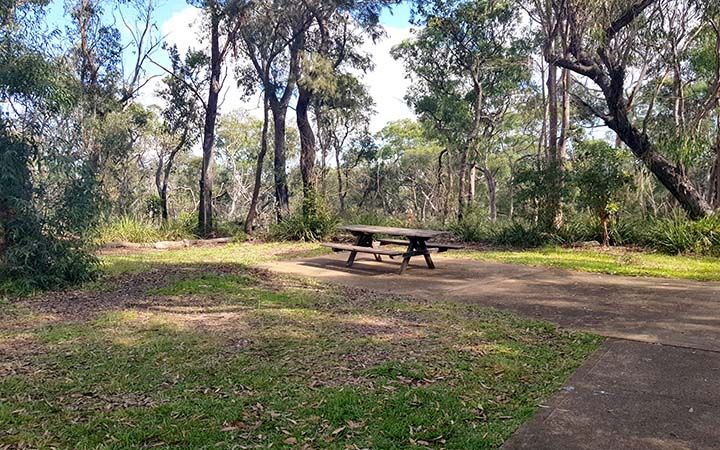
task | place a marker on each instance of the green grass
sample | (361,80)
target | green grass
(613,262)
(220,356)
(244,254)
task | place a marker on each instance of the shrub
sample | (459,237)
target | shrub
(183,227)
(601,174)
(678,234)
(578,228)
(505,233)
(313,223)
(299,228)
(41,262)
(128,229)
(41,247)
(231,229)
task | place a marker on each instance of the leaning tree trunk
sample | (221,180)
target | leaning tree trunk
(205,220)
(668,174)
(715,174)
(252,212)
(307,147)
(607,69)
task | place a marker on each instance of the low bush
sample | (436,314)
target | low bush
(128,229)
(672,235)
(232,230)
(678,234)
(313,222)
(505,233)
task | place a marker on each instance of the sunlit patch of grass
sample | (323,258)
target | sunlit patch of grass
(609,262)
(243,254)
(232,359)
(207,284)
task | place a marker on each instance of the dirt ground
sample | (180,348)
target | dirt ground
(651,386)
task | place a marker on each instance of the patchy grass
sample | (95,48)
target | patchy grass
(612,261)
(245,254)
(202,352)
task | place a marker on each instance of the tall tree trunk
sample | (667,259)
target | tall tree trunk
(205,219)
(324,144)
(553,217)
(307,145)
(252,212)
(473,177)
(462,181)
(562,152)
(340,191)
(159,187)
(282,196)
(491,192)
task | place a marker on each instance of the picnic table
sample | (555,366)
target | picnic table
(417,242)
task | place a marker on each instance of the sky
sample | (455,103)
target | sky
(180,24)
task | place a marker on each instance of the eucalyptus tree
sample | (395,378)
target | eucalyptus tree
(224,20)
(343,117)
(554,135)
(299,47)
(466,62)
(271,40)
(608,43)
(331,47)
(42,189)
(182,114)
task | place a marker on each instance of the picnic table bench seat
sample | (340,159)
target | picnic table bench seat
(442,247)
(359,249)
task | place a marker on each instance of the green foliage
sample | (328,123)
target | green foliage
(678,234)
(234,230)
(36,251)
(313,223)
(41,223)
(476,228)
(672,235)
(128,229)
(600,174)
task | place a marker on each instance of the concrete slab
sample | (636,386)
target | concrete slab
(632,396)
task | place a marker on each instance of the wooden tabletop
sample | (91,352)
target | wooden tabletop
(392,231)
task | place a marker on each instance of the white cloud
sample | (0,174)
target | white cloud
(386,82)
